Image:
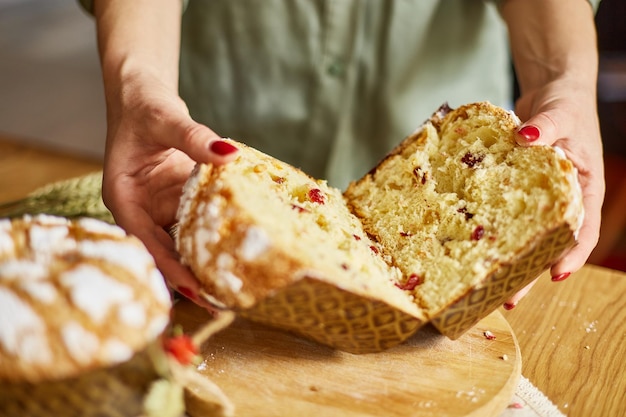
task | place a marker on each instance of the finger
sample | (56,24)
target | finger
(541,129)
(593,196)
(512,302)
(161,247)
(199,142)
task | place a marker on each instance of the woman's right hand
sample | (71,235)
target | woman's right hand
(152,142)
(152,147)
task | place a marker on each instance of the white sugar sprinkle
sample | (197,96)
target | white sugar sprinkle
(94,292)
(254,244)
(22,331)
(132,314)
(116,351)
(81,344)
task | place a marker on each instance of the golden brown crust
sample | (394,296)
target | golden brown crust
(76,296)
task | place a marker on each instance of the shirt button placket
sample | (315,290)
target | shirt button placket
(341,20)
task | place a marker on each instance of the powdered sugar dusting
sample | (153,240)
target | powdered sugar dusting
(255,243)
(100,227)
(40,290)
(22,332)
(132,314)
(159,289)
(132,257)
(202,237)
(45,241)
(22,270)
(116,351)
(81,344)
(6,242)
(60,280)
(94,292)
(157,325)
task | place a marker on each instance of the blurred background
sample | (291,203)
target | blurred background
(52,94)
(50,76)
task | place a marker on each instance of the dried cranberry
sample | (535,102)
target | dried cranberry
(410,284)
(406,234)
(374,249)
(357,237)
(300,209)
(478,233)
(316,196)
(467,214)
(470,159)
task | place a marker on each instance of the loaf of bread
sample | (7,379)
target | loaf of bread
(450,224)
(83,309)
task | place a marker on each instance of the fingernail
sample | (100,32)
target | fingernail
(531,133)
(186,292)
(561,277)
(508,306)
(222,148)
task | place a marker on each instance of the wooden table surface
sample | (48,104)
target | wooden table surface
(572,334)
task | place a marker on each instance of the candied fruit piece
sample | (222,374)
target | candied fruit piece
(300,209)
(316,196)
(413,281)
(478,233)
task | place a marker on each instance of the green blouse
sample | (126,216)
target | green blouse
(331,85)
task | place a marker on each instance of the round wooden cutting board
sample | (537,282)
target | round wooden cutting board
(268,372)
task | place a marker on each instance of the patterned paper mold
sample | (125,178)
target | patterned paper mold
(503,283)
(334,317)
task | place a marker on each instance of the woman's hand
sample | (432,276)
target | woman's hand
(564,114)
(152,142)
(152,146)
(557,69)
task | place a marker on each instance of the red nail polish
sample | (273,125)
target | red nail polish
(508,306)
(561,277)
(531,133)
(186,292)
(222,148)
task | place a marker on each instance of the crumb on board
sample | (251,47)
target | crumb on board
(516,405)
(489,336)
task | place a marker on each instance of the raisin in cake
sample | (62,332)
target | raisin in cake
(450,224)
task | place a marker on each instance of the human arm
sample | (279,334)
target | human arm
(152,142)
(553,43)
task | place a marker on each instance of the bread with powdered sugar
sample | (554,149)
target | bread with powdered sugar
(83,308)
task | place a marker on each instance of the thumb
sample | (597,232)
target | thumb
(199,142)
(541,129)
